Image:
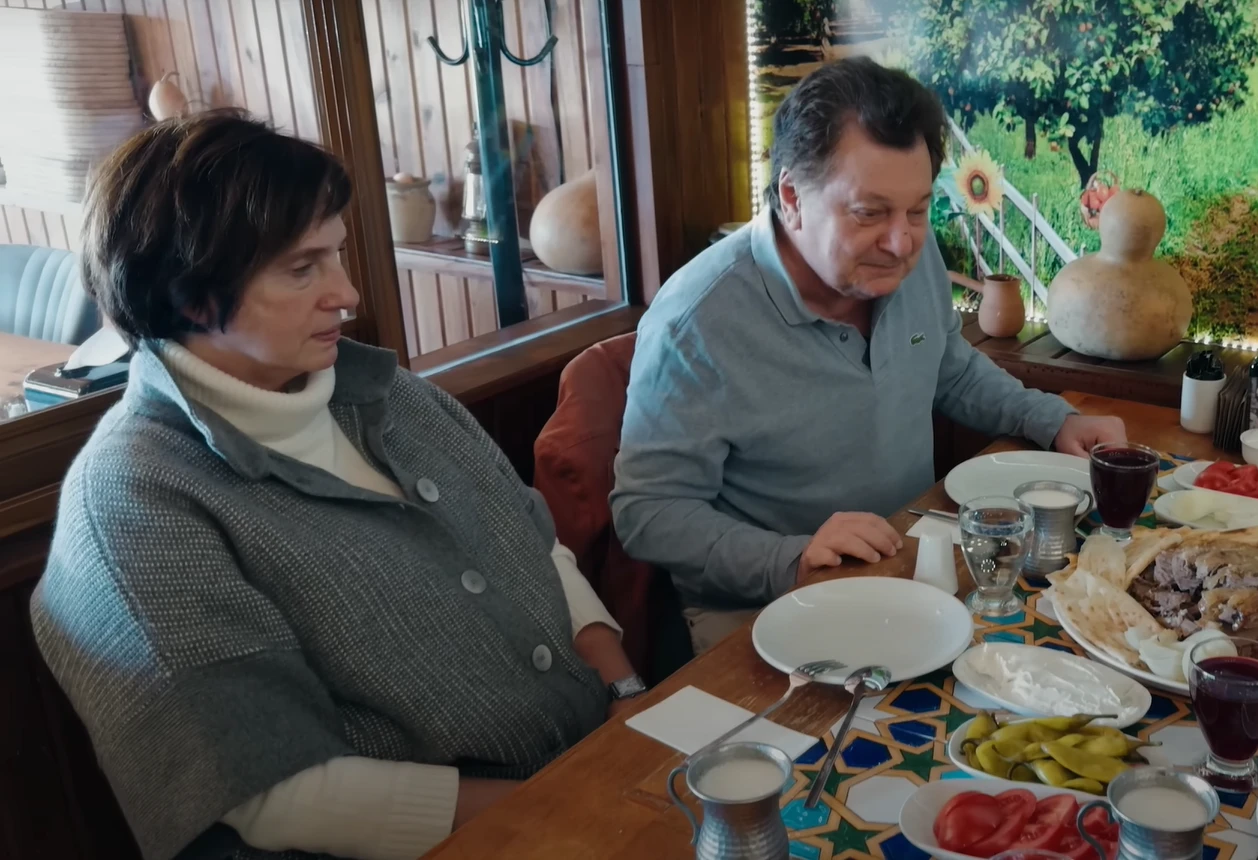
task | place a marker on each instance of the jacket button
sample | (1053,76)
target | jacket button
(843,336)
(427,490)
(541,658)
(473,581)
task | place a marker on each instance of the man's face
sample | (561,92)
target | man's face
(860,227)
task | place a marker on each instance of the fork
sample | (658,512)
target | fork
(802,676)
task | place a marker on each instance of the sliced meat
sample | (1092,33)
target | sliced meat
(1234,608)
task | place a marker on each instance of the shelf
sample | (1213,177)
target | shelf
(445,255)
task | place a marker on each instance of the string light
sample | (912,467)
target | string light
(754,136)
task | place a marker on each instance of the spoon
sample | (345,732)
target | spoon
(800,677)
(860,682)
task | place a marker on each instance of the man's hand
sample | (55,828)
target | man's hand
(1080,433)
(865,536)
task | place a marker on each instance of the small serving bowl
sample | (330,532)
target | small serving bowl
(1249,446)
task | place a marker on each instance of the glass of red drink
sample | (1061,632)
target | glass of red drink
(1224,692)
(1123,475)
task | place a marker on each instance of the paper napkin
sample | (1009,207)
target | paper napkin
(691,718)
(932,525)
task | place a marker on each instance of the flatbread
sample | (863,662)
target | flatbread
(1144,548)
(1102,613)
(1104,557)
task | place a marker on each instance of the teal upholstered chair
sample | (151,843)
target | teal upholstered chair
(42,297)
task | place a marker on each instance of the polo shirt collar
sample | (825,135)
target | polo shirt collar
(781,287)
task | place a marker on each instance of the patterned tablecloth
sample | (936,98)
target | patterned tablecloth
(898,742)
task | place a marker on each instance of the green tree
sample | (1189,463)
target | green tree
(793,18)
(1060,67)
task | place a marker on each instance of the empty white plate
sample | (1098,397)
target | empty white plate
(909,627)
(1101,689)
(1000,474)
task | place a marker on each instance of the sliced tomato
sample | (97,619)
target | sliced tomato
(1052,816)
(1073,846)
(966,819)
(1097,822)
(1016,807)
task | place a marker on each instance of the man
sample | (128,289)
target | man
(781,392)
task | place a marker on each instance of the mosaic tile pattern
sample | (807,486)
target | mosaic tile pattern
(898,742)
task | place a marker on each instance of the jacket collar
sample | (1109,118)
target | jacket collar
(781,287)
(364,374)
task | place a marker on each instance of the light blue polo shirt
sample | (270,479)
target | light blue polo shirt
(751,420)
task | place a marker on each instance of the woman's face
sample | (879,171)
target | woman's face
(288,320)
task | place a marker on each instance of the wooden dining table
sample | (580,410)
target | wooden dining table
(606,798)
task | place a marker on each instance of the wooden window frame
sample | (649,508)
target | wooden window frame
(37,449)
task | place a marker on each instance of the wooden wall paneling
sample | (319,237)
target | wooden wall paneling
(300,76)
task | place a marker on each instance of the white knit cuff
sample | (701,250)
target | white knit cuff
(353,807)
(583,604)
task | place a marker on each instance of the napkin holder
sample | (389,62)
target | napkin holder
(100,362)
(1232,418)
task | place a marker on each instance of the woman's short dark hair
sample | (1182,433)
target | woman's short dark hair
(181,216)
(888,105)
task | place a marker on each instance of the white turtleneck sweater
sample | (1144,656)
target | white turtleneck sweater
(350,806)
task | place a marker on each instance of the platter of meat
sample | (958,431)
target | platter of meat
(1141,607)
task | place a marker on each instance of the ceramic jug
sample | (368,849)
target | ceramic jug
(739,785)
(1002,312)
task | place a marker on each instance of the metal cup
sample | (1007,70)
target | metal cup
(1137,841)
(747,829)
(1053,525)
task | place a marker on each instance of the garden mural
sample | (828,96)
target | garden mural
(1054,106)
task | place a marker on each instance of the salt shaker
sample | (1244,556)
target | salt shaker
(1199,397)
(936,564)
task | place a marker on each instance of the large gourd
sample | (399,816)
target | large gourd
(565,232)
(1120,303)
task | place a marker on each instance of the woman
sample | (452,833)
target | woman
(300,599)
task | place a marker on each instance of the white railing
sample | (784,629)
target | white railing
(1029,210)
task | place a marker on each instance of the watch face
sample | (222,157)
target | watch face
(626,687)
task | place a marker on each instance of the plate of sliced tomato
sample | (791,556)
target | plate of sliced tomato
(965,819)
(1221,476)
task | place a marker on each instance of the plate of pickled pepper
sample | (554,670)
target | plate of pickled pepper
(1062,752)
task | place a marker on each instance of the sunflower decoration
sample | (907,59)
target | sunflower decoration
(981,183)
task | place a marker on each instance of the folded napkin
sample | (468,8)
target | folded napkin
(932,525)
(691,718)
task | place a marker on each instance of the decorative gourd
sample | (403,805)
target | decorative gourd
(565,232)
(166,99)
(1120,303)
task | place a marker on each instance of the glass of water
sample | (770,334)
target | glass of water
(995,537)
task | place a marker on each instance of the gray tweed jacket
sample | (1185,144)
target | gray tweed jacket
(223,616)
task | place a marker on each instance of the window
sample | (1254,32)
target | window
(474,139)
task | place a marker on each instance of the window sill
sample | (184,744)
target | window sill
(480,367)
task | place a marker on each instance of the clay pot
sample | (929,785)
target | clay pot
(1120,303)
(564,232)
(1002,312)
(412,210)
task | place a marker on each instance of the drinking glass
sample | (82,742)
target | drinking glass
(1224,693)
(1123,475)
(995,537)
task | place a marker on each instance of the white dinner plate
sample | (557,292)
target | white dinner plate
(1153,755)
(1000,474)
(1134,700)
(1243,508)
(1187,474)
(909,627)
(917,816)
(1144,677)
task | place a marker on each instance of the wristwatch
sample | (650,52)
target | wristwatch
(627,688)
